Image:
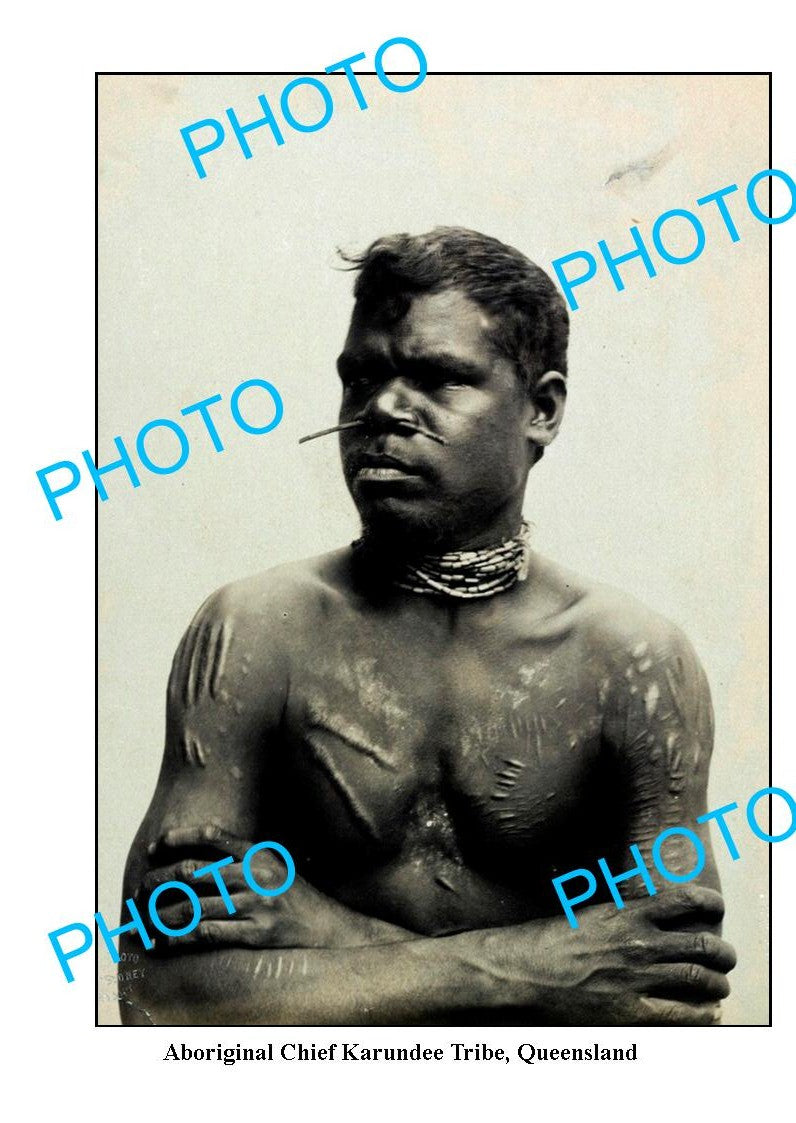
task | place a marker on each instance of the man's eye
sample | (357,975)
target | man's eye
(436,377)
(357,382)
(441,380)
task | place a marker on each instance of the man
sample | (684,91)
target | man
(435,722)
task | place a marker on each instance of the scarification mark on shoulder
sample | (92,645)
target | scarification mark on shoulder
(192,750)
(651,696)
(197,669)
(676,694)
(674,765)
(704,727)
(220,650)
(640,741)
(204,660)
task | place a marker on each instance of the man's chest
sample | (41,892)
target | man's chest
(468,749)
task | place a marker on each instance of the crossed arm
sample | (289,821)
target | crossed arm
(304,958)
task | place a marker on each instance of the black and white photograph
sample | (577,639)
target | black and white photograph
(463,527)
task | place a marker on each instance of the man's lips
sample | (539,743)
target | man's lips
(382,460)
(380,466)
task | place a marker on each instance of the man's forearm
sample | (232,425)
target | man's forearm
(618,968)
(416,981)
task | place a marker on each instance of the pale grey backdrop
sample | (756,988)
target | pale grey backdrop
(657,483)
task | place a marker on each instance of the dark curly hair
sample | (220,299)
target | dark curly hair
(531,320)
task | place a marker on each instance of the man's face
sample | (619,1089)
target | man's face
(436,367)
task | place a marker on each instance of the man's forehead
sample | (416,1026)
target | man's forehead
(447,321)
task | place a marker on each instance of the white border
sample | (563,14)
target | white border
(49,265)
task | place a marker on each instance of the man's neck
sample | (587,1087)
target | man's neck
(472,573)
(412,542)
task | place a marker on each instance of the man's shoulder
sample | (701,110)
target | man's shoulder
(612,621)
(295,592)
(261,621)
(623,625)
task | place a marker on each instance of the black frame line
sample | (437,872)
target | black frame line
(437,73)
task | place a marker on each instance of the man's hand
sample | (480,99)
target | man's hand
(634,966)
(301,917)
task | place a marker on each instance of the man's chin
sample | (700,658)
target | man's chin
(405,525)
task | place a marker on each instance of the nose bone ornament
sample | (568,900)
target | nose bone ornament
(398,423)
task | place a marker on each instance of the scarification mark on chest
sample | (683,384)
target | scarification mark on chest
(507,778)
(319,724)
(322,758)
(374,693)
(539,728)
(506,795)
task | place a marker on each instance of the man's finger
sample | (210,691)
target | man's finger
(213,908)
(266,865)
(183,871)
(686,981)
(215,933)
(267,869)
(664,1012)
(685,902)
(207,835)
(695,947)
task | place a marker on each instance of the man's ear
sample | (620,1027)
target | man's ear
(549,397)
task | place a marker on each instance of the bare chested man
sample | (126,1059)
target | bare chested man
(433,735)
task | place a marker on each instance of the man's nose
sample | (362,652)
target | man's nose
(392,401)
